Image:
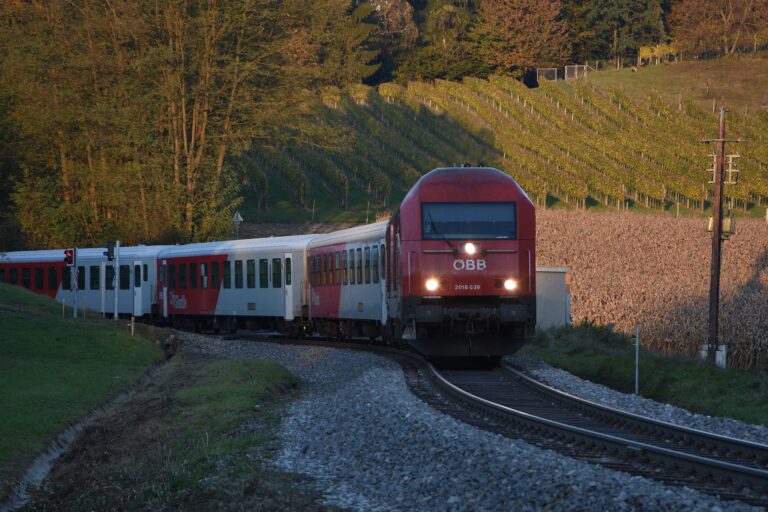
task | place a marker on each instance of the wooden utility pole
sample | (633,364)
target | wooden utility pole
(717,243)
(717,236)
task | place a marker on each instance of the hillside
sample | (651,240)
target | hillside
(739,82)
(587,144)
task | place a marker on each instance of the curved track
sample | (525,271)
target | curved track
(507,402)
(512,404)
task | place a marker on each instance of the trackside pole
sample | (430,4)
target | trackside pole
(637,359)
(103,290)
(73,287)
(116,277)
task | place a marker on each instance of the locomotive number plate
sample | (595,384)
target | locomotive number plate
(466,287)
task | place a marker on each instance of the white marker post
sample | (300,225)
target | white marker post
(73,287)
(637,359)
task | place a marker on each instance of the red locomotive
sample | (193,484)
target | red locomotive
(452,273)
(463,274)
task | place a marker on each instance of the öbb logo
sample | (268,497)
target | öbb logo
(469,265)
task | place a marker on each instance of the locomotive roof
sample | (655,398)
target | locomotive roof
(57,255)
(358,233)
(287,243)
(464,179)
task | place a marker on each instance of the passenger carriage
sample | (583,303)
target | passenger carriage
(254,283)
(96,281)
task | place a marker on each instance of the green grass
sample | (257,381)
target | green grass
(738,81)
(54,370)
(226,396)
(605,357)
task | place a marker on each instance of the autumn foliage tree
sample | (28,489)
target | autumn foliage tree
(721,26)
(514,35)
(130,113)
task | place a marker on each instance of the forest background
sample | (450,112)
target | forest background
(125,119)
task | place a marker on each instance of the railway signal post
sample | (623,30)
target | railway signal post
(718,175)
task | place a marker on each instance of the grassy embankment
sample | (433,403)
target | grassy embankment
(54,370)
(605,357)
(195,439)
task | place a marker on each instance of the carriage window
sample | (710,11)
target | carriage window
(250,271)
(227,275)
(26,277)
(344,267)
(146,271)
(95,277)
(287,271)
(193,275)
(375,263)
(311,271)
(331,270)
(66,283)
(13,276)
(238,273)
(203,275)
(277,273)
(182,276)
(367,265)
(324,276)
(351,266)
(137,276)
(458,221)
(81,278)
(215,275)
(2,275)
(39,279)
(163,273)
(125,277)
(171,277)
(109,280)
(338,267)
(359,266)
(263,273)
(53,281)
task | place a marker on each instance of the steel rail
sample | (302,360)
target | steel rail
(704,467)
(755,453)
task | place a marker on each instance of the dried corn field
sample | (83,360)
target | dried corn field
(631,269)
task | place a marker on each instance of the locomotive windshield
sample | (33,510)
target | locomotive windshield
(461,221)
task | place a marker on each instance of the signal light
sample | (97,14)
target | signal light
(70,256)
(110,252)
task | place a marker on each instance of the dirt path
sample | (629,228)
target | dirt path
(136,456)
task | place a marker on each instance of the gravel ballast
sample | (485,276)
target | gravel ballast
(573,385)
(371,445)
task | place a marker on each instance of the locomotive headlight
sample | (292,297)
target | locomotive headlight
(431,284)
(510,284)
(470,248)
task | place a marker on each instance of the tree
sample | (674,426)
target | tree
(344,33)
(615,28)
(443,48)
(129,113)
(721,26)
(514,35)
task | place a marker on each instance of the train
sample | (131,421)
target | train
(452,273)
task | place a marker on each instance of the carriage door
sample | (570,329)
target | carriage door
(164,283)
(288,287)
(137,295)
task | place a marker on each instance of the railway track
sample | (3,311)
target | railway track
(509,403)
